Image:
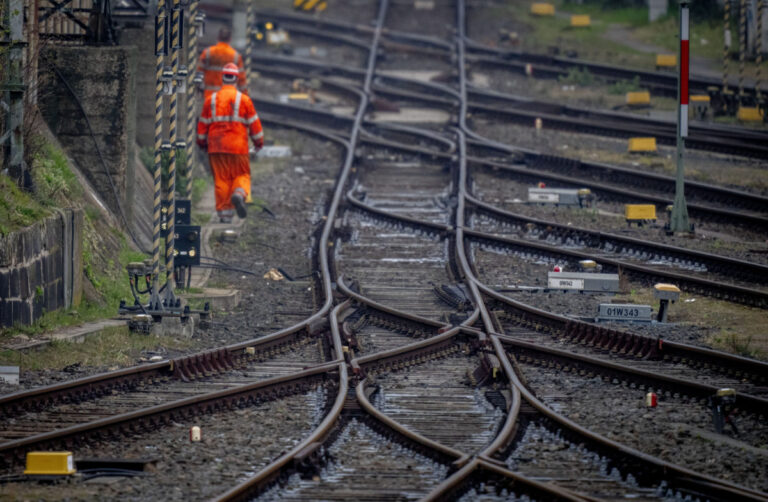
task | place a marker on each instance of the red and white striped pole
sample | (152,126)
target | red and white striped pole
(684,63)
(679,218)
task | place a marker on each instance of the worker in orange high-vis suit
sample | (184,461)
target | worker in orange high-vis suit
(227,121)
(212,62)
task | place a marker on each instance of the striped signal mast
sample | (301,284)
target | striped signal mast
(679,218)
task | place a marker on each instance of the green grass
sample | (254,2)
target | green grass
(18,208)
(55,183)
(199,186)
(113,346)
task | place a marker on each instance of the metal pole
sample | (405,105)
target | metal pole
(759,46)
(186,190)
(726,42)
(171,194)
(160,52)
(14,86)
(679,218)
(742,44)
(249,30)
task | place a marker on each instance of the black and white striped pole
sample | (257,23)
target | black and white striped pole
(679,218)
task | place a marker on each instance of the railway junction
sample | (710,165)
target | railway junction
(493,250)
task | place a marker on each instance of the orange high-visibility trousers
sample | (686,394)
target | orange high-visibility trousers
(231,172)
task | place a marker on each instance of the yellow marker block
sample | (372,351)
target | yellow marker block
(637,145)
(310,4)
(580,21)
(666,60)
(298,96)
(698,98)
(50,463)
(635,212)
(543,9)
(639,98)
(322,6)
(749,114)
(663,286)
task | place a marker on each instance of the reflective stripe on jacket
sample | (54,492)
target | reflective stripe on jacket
(227,120)
(212,62)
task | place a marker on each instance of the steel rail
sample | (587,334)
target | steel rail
(678,477)
(152,416)
(244,490)
(751,403)
(659,83)
(615,174)
(627,343)
(646,274)
(185,367)
(700,210)
(617,125)
(610,339)
(551,66)
(733,267)
(306,448)
(585,170)
(704,128)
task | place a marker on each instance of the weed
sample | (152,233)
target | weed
(578,76)
(18,208)
(55,183)
(625,86)
(199,187)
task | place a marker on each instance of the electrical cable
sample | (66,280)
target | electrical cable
(231,269)
(108,471)
(101,157)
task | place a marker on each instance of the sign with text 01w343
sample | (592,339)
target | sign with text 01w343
(624,312)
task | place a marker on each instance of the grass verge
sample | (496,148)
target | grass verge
(112,347)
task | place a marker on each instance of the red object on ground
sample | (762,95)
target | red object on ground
(651,400)
(557,268)
(542,184)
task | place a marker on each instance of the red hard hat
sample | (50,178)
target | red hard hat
(230,69)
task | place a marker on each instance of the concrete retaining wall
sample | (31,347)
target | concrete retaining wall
(104,81)
(41,268)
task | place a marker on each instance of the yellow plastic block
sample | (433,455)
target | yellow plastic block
(50,463)
(642,145)
(298,96)
(698,98)
(310,4)
(588,264)
(666,60)
(662,286)
(543,9)
(749,114)
(580,20)
(639,98)
(635,212)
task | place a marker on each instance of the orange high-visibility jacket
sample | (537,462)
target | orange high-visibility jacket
(227,120)
(212,62)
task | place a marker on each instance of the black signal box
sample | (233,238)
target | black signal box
(187,245)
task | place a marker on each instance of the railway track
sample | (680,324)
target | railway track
(406,339)
(706,202)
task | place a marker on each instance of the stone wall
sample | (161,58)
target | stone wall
(104,80)
(143,38)
(41,268)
